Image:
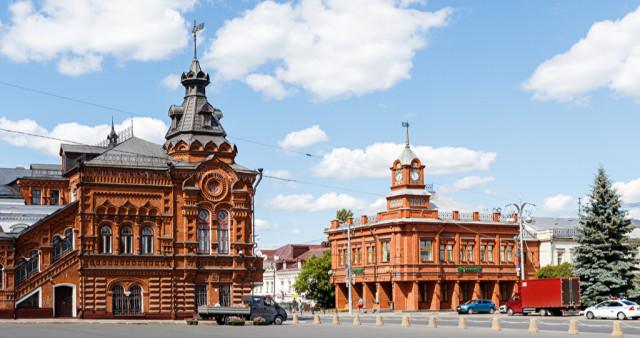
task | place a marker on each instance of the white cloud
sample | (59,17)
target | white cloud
(172,82)
(466,183)
(262,225)
(296,231)
(374,161)
(609,56)
(303,138)
(557,203)
(630,191)
(330,48)
(80,34)
(267,85)
(147,128)
(328,201)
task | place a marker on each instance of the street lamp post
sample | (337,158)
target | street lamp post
(348,276)
(520,208)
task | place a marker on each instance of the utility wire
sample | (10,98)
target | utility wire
(232,137)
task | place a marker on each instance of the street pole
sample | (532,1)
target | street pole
(520,208)
(349,267)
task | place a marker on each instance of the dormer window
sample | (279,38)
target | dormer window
(207,120)
(414,164)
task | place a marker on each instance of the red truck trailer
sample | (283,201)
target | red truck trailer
(548,296)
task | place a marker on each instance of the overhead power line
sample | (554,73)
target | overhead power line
(351,164)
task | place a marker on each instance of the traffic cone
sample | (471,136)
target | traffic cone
(336,320)
(405,321)
(379,320)
(495,325)
(356,320)
(462,323)
(617,329)
(573,327)
(295,319)
(533,326)
(432,322)
(316,319)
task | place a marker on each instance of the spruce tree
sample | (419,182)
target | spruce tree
(605,261)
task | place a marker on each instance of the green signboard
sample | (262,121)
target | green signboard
(358,271)
(469,269)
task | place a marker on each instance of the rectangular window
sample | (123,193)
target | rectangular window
(502,253)
(483,255)
(503,291)
(463,254)
(36,197)
(426,253)
(444,292)
(490,253)
(54,199)
(353,256)
(359,255)
(560,256)
(424,292)
(368,255)
(386,251)
(470,253)
(450,252)
(201,295)
(464,292)
(509,253)
(441,252)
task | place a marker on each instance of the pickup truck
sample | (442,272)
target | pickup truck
(262,306)
(547,296)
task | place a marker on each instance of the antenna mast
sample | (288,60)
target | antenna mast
(406,124)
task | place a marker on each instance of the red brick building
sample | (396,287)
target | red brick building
(146,231)
(426,251)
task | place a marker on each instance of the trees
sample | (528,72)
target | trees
(563,270)
(604,260)
(314,280)
(343,214)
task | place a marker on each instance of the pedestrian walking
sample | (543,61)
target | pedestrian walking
(300,306)
(360,305)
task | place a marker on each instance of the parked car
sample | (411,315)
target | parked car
(614,308)
(254,306)
(478,305)
(502,309)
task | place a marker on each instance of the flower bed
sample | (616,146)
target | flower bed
(192,322)
(235,321)
(260,321)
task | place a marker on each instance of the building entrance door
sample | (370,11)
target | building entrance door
(64,301)
(225,295)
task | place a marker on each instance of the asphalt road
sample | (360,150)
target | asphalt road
(478,326)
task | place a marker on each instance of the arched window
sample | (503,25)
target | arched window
(33,266)
(56,249)
(21,270)
(105,239)
(126,240)
(67,244)
(204,226)
(146,245)
(126,303)
(135,300)
(223,231)
(118,304)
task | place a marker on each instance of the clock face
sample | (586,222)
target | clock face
(398,176)
(415,175)
(203,214)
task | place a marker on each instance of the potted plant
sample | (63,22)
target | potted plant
(260,321)
(193,321)
(236,321)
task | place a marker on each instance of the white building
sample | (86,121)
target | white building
(557,238)
(282,267)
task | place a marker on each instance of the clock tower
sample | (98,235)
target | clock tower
(407,182)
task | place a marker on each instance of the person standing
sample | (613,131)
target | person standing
(300,306)
(360,304)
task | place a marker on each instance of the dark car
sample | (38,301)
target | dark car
(478,305)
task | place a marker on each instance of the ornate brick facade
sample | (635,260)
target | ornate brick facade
(426,251)
(147,231)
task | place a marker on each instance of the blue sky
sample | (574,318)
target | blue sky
(504,98)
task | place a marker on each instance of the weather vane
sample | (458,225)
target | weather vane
(406,125)
(194,30)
